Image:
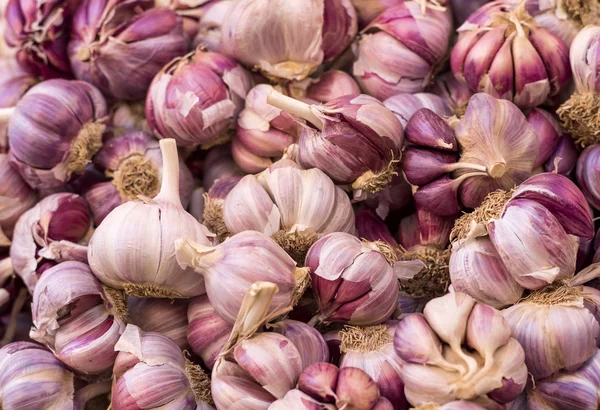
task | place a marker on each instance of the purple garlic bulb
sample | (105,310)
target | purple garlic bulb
(120,45)
(55,130)
(219,164)
(405,105)
(401,50)
(195,99)
(16,197)
(164,316)
(588,174)
(455,94)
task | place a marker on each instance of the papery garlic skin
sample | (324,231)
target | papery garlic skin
(547,130)
(352,281)
(209,32)
(439,368)
(455,94)
(134,164)
(588,172)
(309,342)
(55,130)
(230,268)
(328,86)
(564,158)
(121,252)
(167,317)
(117,61)
(281,203)
(546,323)
(152,371)
(39,33)
(15,198)
(502,51)
(405,105)
(128,116)
(29,366)
(390,60)
(219,164)
(75,319)
(53,231)
(253,32)
(195,99)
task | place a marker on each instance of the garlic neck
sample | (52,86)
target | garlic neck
(364,339)
(497,170)
(295,107)
(169,189)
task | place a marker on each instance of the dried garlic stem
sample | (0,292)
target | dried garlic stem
(169,188)
(580,116)
(87,143)
(292,106)
(199,382)
(465,165)
(213,217)
(372,182)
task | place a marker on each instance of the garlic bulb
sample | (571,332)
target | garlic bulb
(455,94)
(497,149)
(263,131)
(15,198)
(207,331)
(281,202)
(578,114)
(588,174)
(167,317)
(111,44)
(219,164)
(352,280)
(328,86)
(134,247)
(371,227)
(34,379)
(502,51)
(578,389)
(209,34)
(134,165)
(76,319)
(563,18)
(343,130)
(39,33)
(459,350)
(405,105)
(564,158)
(309,342)
(391,60)
(151,371)
(55,130)
(265,34)
(53,231)
(371,349)
(230,268)
(548,321)
(214,201)
(367,10)
(548,131)
(196,98)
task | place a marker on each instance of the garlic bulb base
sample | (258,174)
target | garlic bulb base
(433,280)
(213,217)
(364,338)
(136,175)
(295,243)
(372,182)
(150,290)
(303,281)
(84,146)
(491,207)
(117,302)
(199,382)
(579,117)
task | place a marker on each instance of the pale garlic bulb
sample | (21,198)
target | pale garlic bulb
(293,206)
(459,350)
(134,247)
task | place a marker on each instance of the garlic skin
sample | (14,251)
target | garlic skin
(151,371)
(588,172)
(404,106)
(548,131)
(209,32)
(230,268)
(29,366)
(111,42)
(40,35)
(15,198)
(577,114)
(126,236)
(390,60)
(167,317)
(128,116)
(564,158)
(371,349)
(328,86)
(134,164)
(502,51)
(55,130)
(371,227)
(75,318)
(352,281)
(459,350)
(196,98)
(307,339)
(368,10)
(455,94)
(281,202)
(547,322)
(207,332)
(579,388)
(219,164)
(328,27)
(53,231)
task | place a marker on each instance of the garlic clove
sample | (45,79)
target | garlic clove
(319,381)
(427,128)
(487,330)
(416,342)
(232,388)
(372,228)
(532,86)
(516,237)
(307,339)
(426,384)
(298,400)
(500,79)
(548,131)
(447,316)
(439,196)
(421,166)
(480,57)
(167,317)
(587,174)
(355,390)
(562,198)
(555,54)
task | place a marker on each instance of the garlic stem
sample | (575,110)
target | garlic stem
(6,113)
(169,187)
(292,106)
(465,165)
(461,178)
(497,170)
